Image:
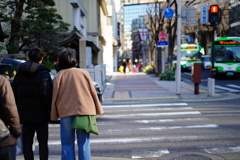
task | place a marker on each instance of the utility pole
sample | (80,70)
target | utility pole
(178,70)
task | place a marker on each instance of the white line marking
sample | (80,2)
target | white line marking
(226,88)
(170,120)
(222,149)
(149,140)
(160,128)
(145,105)
(195,126)
(148,153)
(151,114)
(141,139)
(150,109)
(234,86)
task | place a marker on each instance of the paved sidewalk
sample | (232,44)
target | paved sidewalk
(142,88)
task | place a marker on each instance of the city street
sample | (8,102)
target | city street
(166,127)
(223,84)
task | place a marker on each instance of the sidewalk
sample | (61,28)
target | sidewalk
(142,88)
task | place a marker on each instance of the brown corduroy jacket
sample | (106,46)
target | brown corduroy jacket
(74,94)
(8,112)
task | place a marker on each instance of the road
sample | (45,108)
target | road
(224,84)
(171,130)
(165,131)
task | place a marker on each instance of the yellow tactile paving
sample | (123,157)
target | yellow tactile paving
(192,89)
(122,95)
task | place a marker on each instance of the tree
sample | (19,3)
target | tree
(154,21)
(30,23)
(157,23)
(42,26)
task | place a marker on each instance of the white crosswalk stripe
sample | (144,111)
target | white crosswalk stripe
(123,126)
(226,88)
(233,85)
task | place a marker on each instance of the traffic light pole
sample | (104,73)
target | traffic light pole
(212,50)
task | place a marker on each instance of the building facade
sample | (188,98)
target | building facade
(134,32)
(94,19)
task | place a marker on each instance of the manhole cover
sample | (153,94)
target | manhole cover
(191,157)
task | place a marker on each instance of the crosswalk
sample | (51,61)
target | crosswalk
(229,88)
(153,130)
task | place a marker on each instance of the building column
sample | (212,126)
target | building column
(82,53)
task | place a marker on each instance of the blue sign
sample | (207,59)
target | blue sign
(168,13)
(162,43)
(204,15)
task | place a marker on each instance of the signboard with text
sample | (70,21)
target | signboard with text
(204,15)
(162,43)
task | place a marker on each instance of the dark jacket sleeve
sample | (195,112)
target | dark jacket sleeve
(9,109)
(46,90)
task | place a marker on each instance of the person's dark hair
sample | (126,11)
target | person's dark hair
(66,60)
(35,54)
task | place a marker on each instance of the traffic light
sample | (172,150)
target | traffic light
(214,14)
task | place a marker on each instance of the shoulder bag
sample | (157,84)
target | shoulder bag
(86,122)
(4,131)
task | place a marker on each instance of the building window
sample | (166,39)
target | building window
(109,20)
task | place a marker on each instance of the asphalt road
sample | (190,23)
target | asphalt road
(165,131)
(222,84)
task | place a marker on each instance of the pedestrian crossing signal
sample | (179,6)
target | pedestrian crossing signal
(214,14)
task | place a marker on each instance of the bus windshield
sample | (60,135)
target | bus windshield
(191,55)
(227,53)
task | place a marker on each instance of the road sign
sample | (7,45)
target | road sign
(162,43)
(162,36)
(189,16)
(204,15)
(168,13)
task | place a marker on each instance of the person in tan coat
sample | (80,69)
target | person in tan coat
(9,115)
(73,94)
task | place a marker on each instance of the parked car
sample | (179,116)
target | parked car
(206,62)
(8,67)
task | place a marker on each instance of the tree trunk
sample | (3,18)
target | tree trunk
(14,40)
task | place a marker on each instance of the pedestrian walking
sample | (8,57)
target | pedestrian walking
(124,64)
(130,65)
(73,94)
(32,87)
(9,115)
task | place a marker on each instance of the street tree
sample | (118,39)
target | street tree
(156,23)
(30,23)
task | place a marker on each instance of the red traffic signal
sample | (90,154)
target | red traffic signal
(214,9)
(215,14)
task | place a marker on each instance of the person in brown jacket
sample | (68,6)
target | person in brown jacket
(9,114)
(73,94)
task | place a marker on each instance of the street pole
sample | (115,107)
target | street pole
(212,51)
(178,71)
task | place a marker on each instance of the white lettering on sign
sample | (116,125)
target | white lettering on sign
(204,15)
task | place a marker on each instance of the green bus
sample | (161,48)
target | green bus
(190,53)
(227,56)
